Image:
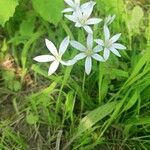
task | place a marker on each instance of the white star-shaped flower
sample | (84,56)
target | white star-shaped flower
(87,52)
(56,57)
(81,17)
(110,44)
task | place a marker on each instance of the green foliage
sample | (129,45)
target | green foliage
(135,20)
(7,9)
(49,10)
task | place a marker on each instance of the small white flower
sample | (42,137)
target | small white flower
(109,43)
(87,52)
(81,17)
(73,5)
(109,19)
(56,57)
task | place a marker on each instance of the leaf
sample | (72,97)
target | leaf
(119,72)
(7,9)
(96,115)
(132,101)
(49,10)
(32,119)
(134,23)
(27,25)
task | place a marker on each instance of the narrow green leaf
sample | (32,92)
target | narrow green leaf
(132,101)
(96,115)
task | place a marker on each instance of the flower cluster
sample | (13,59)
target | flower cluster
(80,14)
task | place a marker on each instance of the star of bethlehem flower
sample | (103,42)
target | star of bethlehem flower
(87,52)
(110,44)
(81,17)
(56,57)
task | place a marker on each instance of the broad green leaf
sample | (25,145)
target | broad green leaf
(136,17)
(49,10)
(96,115)
(7,9)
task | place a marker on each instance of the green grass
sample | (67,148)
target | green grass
(107,110)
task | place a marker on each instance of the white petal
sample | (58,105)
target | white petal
(98,57)
(78,13)
(85,5)
(100,42)
(88,10)
(119,46)
(98,48)
(53,67)
(113,50)
(44,58)
(93,21)
(78,25)
(88,65)
(79,56)
(71,17)
(70,3)
(63,46)
(67,10)
(90,41)
(51,47)
(88,29)
(106,33)
(115,38)
(106,53)
(77,45)
(68,63)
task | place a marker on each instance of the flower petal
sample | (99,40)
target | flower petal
(98,48)
(51,47)
(53,67)
(78,13)
(78,25)
(85,5)
(100,42)
(88,65)
(79,56)
(90,41)
(70,3)
(63,46)
(67,10)
(88,10)
(98,57)
(115,38)
(106,53)
(93,21)
(77,45)
(44,58)
(71,18)
(106,33)
(118,46)
(88,29)
(68,63)
(113,50)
